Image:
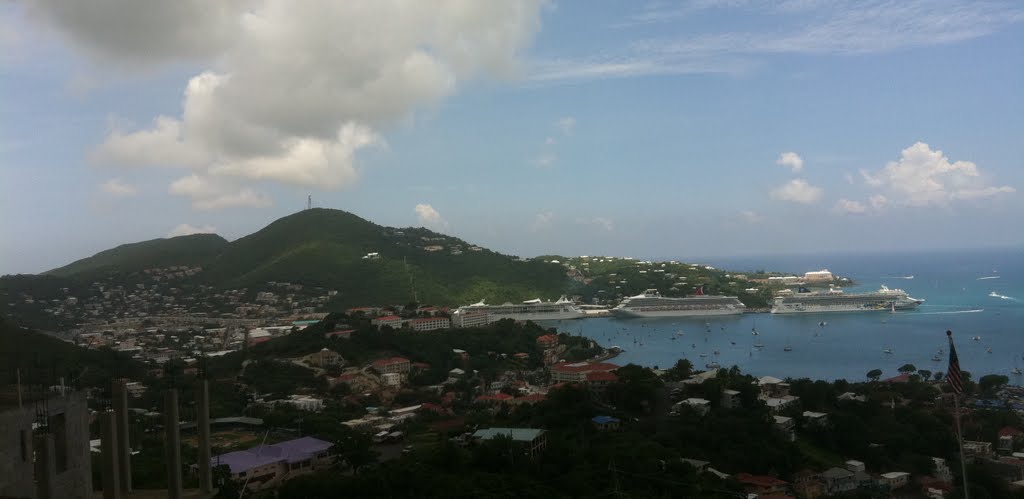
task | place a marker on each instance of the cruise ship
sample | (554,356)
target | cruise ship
(531,310)
(835,300)
(650,303)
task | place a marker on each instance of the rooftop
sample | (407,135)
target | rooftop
(516,434)
(290,451)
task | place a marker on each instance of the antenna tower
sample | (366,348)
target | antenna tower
(309,202)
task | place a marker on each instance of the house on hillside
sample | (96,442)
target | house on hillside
(266,466)
(531,441)
(398,365)
(392,321)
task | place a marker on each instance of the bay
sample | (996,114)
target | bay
(974,293)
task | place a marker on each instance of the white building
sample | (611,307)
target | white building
(430,323)
(391,379)
(894,479)
(822,275)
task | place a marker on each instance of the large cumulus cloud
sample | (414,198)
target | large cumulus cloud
(291,90)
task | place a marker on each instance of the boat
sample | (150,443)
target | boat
(976,338)
(650,303)
(887,350)
(787,348)
(1016,370)
(712,365)
(758,345)
(835,300)
(936,358)
(531,310)
(822,324)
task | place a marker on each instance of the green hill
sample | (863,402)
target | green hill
(195,249)
(43,359)
(326,248)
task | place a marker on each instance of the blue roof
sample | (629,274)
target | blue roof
(517,434)
(604,419)
(291,451)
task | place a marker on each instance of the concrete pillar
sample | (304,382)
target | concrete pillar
(172,444)
(205,474)
(124,448)
(46,467)
(109,456)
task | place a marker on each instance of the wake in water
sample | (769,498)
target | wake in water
(972,311)
(1001,297)
(989,277)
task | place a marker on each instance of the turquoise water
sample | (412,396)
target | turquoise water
(850,344)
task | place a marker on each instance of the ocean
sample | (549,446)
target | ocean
(977,294)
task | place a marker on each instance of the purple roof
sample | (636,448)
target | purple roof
(291,451)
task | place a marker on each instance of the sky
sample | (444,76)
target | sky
(652,130)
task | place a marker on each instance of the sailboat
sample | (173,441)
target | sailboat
(753,330)
(887,350)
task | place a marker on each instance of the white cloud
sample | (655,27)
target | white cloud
(850,207)
(878,202)
(923,176)
(545,160)
(187,229)
(750,216)
(209,194)
(543,221)
(603,223)
(566,125)
(292,91)
(429,217)
(840,27)
(118,187)
(791,160)
(797,191)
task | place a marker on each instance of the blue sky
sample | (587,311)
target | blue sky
(668,129)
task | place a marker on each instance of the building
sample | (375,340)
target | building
(838,480)
(730,399)
(531,440)
(816,419)
(894,479)
(267,466)
(392,321)
(430,323)
(324,358)
(786,425)
(762,484)
(700,406)
(822,275)
(27,469)
(605,423)
(942,471)
(977,449)
(391,379)
(547,341)
(855,466)
(577,373)
(398,365)
(470,318)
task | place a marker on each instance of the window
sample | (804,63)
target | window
(58,426)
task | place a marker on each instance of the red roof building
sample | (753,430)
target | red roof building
(345,333)
(578,372)
(547,341)
(399,365)
(497,398)
(762,484)
(392,321)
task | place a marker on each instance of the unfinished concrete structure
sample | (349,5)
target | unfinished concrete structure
(51,460)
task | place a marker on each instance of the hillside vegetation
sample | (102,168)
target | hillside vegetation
(324,248)
(195,249)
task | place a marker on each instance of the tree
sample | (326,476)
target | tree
(874,374)
(907,368)
(925,374)
(989,384)
(938,375)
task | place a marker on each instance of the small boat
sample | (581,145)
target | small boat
(988,350)
(716,352)
(976,338)
(758,345)
(712,365)
(787,348)
(822,324)
(680,333)
(1016,370)
(936,358)
(887,350)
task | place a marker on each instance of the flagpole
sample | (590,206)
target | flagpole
(959,432)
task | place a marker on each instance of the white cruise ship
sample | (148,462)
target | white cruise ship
(531,310)
(650,303)
(834,300)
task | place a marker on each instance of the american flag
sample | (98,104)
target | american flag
(953,373)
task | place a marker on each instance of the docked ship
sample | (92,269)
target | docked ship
(835,300)
(650,303)
(530,310)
